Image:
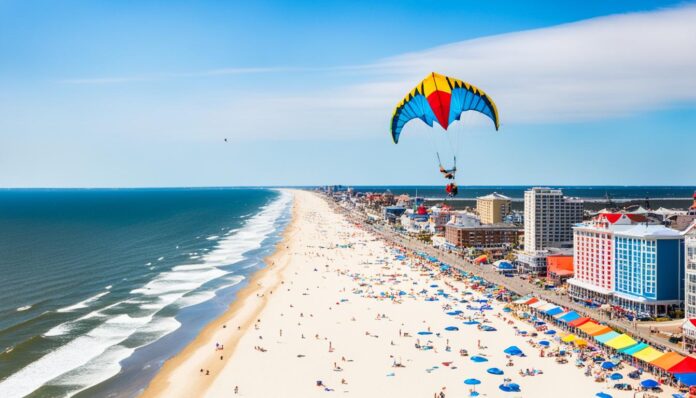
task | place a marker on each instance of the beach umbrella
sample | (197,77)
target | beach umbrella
(479,359)
(472,382)
(616,376)
(550,332)
(451,328)
(472,322)
(513,350)
(495,371)
(608,365)
(425,333)
(649,383)
(602,395)
(545,343)
(511,387)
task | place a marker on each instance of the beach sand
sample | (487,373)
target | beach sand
(317,313)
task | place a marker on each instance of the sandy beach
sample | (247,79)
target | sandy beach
(338,311)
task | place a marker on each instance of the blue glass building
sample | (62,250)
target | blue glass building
(649,269)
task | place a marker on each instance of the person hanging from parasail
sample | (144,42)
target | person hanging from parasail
(442,99)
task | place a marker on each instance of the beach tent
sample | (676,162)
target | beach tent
(647,354)
(558,316)
(554,311)
(603,338)
(589,326)
(580,342)
(538,304)
(531,301)
(621,341)
(569,317)
(569,338)
(579,322)
(688,365)
(546,307)
(633,349)
(522,300)
(667,360)
(688,379)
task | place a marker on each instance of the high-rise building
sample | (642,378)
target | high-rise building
(549,218)
(492,208)
(648,269)
(593,244)
(690,284)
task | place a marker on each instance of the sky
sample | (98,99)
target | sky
(144,93)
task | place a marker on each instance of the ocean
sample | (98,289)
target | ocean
(99,287)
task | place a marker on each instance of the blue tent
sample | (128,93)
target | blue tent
(504,265)
(688,379)
(554,311)
(603,338)
(633,349)
(569,317)
(513,350)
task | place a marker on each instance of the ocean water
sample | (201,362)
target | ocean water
(99,287)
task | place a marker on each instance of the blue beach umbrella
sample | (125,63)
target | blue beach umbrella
(433,286)
(649,383)
(472,382)
(513,350)
(550,332)
(472,322)
(479,359)
(495,371)
(616,376)
(451,328)
(545,343)
(602,395)
(608,365)
(425,333)
(512,387)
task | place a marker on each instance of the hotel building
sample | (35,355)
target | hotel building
(649,269)
(549,218)
(690,289)
(492,208)
(593,256)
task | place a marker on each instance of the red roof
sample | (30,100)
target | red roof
(614,217)
(688,365)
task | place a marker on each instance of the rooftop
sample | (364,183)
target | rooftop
(494,196)
(649,231)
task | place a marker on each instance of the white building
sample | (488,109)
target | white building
(690,285)
(549,218)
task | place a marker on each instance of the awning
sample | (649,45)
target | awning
(668,360)
(531,301)
(538,304)
(569,317)
(648,354)
(521,300)
(568,338)
(580,342)
(579,322)
(621,341)
(633,349)
(688,365)
(688,379)
(555,311)
(603,338)
(546,307)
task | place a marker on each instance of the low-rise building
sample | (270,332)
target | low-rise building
(559,268)
(492,208)
(482,237)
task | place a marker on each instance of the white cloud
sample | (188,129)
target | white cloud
(599,68)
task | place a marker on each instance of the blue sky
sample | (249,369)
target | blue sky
(142,93)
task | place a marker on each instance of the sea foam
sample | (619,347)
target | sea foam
(95,356)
